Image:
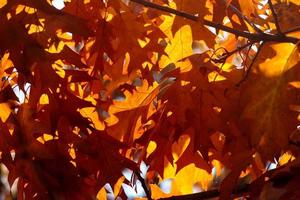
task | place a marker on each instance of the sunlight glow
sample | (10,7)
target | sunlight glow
(59,4)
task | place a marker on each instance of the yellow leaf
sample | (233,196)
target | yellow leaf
(44,99)
(91,114)
(118,185)
(266,98)
(277,65)
(156,192)
(180,46)
(4,111)
(102,194)
(151,147)
(3,3)
(190,175)
(285,158)
(142,97)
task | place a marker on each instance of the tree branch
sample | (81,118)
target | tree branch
(275,16)
(239,14)
(147,191)
(166,9)
(254,37)
(297,144)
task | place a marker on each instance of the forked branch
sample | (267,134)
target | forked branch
(240,14)
(259,37)
(253,37)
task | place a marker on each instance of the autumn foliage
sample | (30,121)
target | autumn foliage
(116,98)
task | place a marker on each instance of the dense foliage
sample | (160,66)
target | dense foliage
(119,98)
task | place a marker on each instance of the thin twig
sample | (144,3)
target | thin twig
(275,17)
(297,144)
(231,30)
(239,14)
(247,54)
(147,191)
(251,65)
(214,53)
(226,55)
(166,9)
(293,134)
(254,37)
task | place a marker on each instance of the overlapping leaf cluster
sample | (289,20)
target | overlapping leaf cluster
(109,84)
